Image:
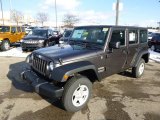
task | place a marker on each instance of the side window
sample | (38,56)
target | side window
(49,32)
(118,36)
(133,36)
(23,29)
(18,29)
(13,29)
(143,36)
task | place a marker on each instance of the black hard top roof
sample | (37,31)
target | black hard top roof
(111,26)
(41,29)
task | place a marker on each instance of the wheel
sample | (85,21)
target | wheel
(139,70)
(77,92)
(153,48)
(5,45)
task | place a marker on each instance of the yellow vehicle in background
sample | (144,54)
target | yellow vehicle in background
(10,35)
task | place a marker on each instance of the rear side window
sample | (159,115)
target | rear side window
(133,36)
(143,36)
(13,29)
(23,29)
(18,29)
(118,36)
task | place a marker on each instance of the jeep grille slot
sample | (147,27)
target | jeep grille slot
(40,65)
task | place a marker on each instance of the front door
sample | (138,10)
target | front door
(116,58)
(13,34)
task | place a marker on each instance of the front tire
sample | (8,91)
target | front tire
(139,69)
(153,47)
(5,45)
(77,93)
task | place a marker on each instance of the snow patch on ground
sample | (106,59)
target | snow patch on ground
(154,56)
(14,52)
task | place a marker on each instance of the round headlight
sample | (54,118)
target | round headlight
(29,58)
(51,65)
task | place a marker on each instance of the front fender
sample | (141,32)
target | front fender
(69,69)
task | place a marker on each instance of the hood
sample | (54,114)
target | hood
(67,53)
(65,39)
(34,37)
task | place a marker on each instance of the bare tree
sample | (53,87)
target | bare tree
(70,20)
(42,17)
(16,16)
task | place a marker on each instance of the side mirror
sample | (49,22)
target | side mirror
(114,45)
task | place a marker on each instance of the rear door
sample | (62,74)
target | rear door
(116,58)
(19,33)
(133,45)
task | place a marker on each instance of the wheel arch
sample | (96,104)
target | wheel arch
(84,68)
(144,55)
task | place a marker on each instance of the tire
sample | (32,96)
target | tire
(153,47)
(139,69)
(72,89)
(5,45)
(24,50)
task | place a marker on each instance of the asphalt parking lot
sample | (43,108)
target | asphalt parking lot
(119,97)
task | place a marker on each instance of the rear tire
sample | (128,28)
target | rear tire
(153,48)
(77,92)
(5,45)
(139,69)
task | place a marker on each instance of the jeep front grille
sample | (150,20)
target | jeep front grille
(39,65)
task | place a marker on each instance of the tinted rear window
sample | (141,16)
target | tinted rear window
(143,36)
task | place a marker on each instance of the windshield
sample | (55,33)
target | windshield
(90,34)
(67,33)
(4,28)
(42,33)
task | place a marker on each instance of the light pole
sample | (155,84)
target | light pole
(10,9)
(56,12)
(159,25)
(117,12)
(2,11)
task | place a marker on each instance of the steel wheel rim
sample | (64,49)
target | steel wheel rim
(80,95)
(153,47)
(6,45)
(141,68)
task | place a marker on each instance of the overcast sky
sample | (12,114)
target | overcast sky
(134,12)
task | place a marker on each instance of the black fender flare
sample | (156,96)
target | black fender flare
(69,69)
(139,56)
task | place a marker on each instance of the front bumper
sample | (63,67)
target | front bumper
(32,46)
(42,86)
